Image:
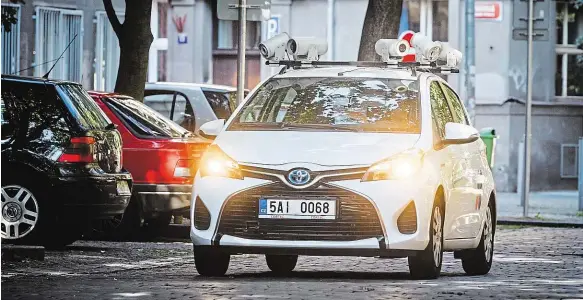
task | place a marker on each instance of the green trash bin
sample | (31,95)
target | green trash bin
(488,135)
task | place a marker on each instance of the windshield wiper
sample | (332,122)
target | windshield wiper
(186,134)
(256,125)
(318,126)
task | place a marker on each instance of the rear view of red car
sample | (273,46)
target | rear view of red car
(162,157)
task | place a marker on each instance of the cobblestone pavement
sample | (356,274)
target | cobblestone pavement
(529,263)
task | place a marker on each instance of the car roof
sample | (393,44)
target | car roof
(350,71)
(33,79)
(100,94)
(195,85)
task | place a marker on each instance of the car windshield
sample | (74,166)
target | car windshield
(143,120)
(333,104)
(82,107)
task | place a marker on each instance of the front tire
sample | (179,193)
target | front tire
(281,264)
(479,261)
(211,262)
(427,264)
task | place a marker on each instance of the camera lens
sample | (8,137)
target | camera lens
(292,46)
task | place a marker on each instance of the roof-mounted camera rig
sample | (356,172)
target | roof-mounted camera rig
(411,51)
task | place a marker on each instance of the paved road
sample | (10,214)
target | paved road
(529,263)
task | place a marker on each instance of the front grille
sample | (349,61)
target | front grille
(407,221)
(202,217)
(356,217)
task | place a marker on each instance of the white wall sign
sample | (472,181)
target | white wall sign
(489,10)
(272,26)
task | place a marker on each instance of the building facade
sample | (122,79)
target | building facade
(192,45)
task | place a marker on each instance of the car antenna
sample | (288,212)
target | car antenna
(46,76)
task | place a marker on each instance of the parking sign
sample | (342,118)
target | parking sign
(272,26)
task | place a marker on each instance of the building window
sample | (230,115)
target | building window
(227,34)
(11,42)
(106,53)
(55,29)
(569,75)
(429,17)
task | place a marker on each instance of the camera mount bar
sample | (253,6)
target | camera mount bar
(414,66)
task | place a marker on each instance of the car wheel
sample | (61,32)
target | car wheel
(20,214)
(427,263)
(281,264)
(211,262)
(479,261)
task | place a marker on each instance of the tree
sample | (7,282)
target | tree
(9,15)
(135,38)
(381,21)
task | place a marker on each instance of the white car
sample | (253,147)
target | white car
(345,161)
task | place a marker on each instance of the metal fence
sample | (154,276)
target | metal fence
(10,43)
(55,28)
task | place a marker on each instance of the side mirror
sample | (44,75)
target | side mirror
(456,133)
(211,129)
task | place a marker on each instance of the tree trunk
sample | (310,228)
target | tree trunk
(135,38)
(381,22)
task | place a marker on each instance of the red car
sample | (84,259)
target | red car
(162,157)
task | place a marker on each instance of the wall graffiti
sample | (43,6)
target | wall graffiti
(518,76)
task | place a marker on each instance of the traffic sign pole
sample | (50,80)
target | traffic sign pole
(528,137)
(241,51)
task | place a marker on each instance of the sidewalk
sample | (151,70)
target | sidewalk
(552,206)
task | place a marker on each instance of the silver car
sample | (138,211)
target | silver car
(191,104)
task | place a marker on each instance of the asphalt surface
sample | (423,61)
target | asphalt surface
(529,263)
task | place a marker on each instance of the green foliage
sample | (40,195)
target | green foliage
(9,15)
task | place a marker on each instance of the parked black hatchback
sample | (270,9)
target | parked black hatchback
(61,162)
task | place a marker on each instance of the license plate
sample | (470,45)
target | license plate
(297,209)
(123,188)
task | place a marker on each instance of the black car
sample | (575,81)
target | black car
(61,162)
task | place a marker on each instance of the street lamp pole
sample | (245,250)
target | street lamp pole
(528,137)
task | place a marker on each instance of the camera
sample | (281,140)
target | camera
(307,48)
(429,49)
(449,56)
(388,48)
(275,47)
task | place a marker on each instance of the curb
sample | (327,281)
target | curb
(539,223)
(20,252)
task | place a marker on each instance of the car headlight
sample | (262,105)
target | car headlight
(215,162)
(400,166)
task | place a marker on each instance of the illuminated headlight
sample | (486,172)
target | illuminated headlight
(400,166)
(215,162)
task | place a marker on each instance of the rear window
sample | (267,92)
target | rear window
(144,121)
(82,107)
(222,103)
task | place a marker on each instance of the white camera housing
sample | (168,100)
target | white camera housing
(275,47)
(307,48)
(449,56)
(425,47)
(388,48)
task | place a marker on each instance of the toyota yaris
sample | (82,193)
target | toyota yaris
(345,161)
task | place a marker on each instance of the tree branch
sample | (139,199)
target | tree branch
(113,19)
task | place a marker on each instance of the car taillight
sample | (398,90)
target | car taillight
(81,150)
(184,168)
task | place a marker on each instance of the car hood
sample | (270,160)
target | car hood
(319,148)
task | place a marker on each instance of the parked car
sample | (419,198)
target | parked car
(61,162)
(191,104)
(162,157)
(364,161)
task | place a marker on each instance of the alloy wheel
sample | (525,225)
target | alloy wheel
(437,234)
(19,212)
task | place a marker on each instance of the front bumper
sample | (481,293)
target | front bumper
(156,198)
(389,199)
(93,197)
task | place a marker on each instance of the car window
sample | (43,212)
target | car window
(331,104)
(440,108)
(41,117)
(459,115)
(220,102)
(82,106)
(7,121)
(143,120)
(162,102)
